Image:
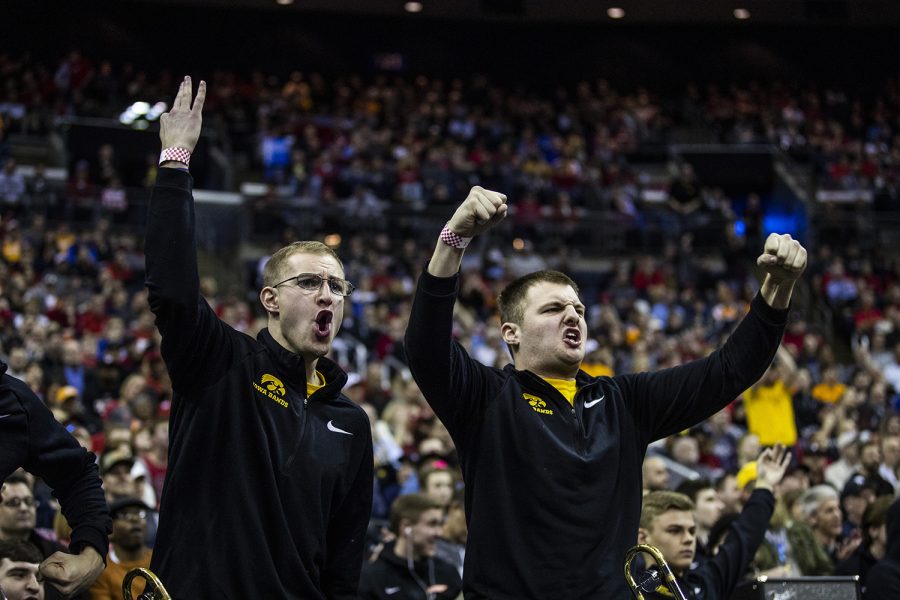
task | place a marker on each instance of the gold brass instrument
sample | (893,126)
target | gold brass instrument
(153,590)
(652,577)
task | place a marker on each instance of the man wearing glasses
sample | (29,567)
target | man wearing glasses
(126,549)
(269,485)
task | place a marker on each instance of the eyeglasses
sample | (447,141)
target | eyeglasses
(312,282)
(137,515)
(17,502)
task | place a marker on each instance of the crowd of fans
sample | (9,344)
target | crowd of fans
(75,324)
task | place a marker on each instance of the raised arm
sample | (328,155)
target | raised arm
(747,532)
(195,342)
(449,379)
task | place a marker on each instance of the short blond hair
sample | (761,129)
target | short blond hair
(272,272)
(656,503)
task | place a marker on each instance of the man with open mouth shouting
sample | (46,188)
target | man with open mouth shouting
(269,485)
(551,456)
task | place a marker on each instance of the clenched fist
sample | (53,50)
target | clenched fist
(481,210)
(783,258)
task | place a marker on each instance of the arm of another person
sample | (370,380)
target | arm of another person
(70,471)
(724,570)
(195,342)
(347,529)
(668,401)
(442,369)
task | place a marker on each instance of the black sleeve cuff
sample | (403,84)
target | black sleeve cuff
(773,316)
(177,178)
(438,286)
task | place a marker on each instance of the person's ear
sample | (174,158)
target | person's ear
(510,333)
(643,535)
(269,299)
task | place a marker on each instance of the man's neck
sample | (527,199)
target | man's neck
(128,555)
(15,535)
(403,550)
(825,540)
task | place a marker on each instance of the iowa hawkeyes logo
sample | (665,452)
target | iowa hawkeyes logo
(538,405)
(273,384)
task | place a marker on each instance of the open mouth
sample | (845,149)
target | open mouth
(323,323)
(572,337)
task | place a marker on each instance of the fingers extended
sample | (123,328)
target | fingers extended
(201,97)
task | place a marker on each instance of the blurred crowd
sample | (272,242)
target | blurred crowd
(75,324)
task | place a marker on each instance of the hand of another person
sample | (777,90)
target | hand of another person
(771,466)
(783,258)
(71,573)
(480,211)
(848,545)
(180,127)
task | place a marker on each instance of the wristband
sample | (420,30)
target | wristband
(453,239)
(182,155)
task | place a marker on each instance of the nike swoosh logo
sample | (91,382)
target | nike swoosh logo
(391,590)
(331,427)
(6,415)
(594,401)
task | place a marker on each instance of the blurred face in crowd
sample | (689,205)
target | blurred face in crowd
(18,511)
(656,475)
(305,321)
(424,533)
(709,508)
(18,580)
(870,457)
(118,482)
(129,528)
(826,519)
(686,450)
(551,338)
(890,450)
(439,487)
(730,495)
(675,534)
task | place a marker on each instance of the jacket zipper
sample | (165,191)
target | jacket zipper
(290,458)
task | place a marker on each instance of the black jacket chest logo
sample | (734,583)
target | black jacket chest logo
(272,388)
(537,405)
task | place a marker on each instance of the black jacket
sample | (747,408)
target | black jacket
(31,438)
(858,563)
(390,578)
(883,582)
(553,492)
(268,493)
(717,576)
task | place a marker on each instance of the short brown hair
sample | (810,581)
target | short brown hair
(410,507)
(272,273)
(875,515)
(20,551)
(656,503)
(512,297)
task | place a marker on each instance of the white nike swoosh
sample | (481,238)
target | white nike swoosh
(391,590)
(6,415)
(594,401)
(331,427)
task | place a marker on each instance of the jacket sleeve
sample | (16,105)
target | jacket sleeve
(454,384)
(70,471)
(671,400)
(197,346)
(724,570)
(347,531)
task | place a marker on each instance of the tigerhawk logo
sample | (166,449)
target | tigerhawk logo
(537,405)
(272,388)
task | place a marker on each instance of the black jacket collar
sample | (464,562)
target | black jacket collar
(293,368)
